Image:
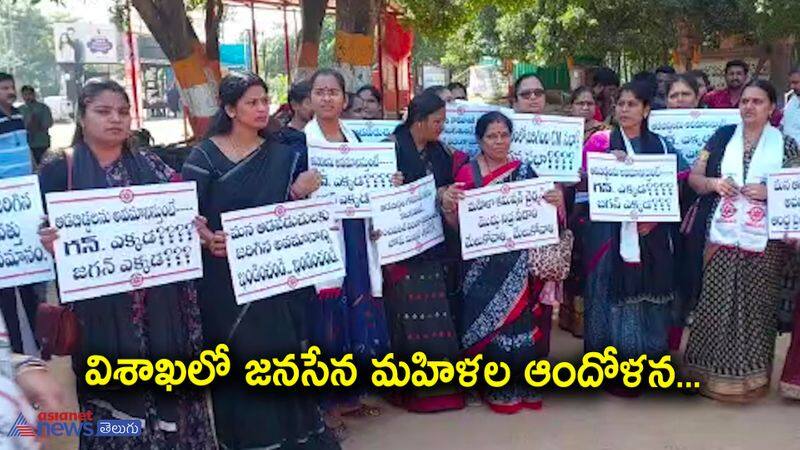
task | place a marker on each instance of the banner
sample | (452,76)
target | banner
(279,248)
(23,260)
(459,126)
(643,189)
(783,204)
(551,145)
(350,172)
(688,130)
(82,42)
(408,220)
(506,217)
(120,239)
(372,130)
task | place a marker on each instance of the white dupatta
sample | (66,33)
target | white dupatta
(738,221)
(314,134)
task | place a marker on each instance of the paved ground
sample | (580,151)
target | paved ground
(571,420)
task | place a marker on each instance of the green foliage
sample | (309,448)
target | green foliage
(26,47)
(272,56)
(278,89)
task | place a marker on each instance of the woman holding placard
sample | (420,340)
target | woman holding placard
(630,266)
(152,323)
(237,168)
(432,276)
(732,340)
(502,301)
(570,312)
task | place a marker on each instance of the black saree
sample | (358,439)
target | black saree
(247,417)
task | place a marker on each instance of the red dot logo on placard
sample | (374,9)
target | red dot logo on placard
(510,244)
(369,125)
(137,280)
(756,214)
(126,195)
(634,215)
(280,211)
(694,114)
(350,211)
(413,189)
(344,149)
(537,120)
(418,245)
(728,210)
(505,189)
(461,110)
(292,282)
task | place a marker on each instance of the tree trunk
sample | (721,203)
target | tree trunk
(780,61)
(355,44)
(197,73)
(313,13)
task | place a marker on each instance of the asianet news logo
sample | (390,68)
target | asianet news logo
(74,424)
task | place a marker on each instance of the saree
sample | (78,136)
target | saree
(732,339)
(790,378)
(153,323)
(501,314)
(421,291)
(627,304)
(570,312)
(247,417)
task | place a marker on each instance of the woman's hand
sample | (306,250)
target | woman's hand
(214,241)
(374,235)
(555,197)
(48,235)
(306,183)
(397,179)
(755,191)
(453,194)
(40,387)
(725,187)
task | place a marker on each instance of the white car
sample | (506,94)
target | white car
(60,107)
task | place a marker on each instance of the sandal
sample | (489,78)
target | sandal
(363,411)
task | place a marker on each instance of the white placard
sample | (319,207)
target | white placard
(688,130)
(506,217)
(279,248)
(350,171)
(642,189)
(372,130)
(407,219)
(551,145)
(23,260)
(459,126)
(783,204)
(120,239)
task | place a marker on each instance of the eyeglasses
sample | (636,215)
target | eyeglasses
(532,93)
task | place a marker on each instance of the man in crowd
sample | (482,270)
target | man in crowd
(38,120)
(736,78)
(373,102)
(15,161)
(458,90)
(605,88)
(791,112)
(663,75)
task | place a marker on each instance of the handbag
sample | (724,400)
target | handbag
(552,262)
(58,330)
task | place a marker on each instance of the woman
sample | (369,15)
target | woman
(628,290)
(790,378)
(682,93)
(732,340)
(432,275)
(570,312)
(703,85)
(348,316)
(150,323)
(236,168)
(373,102)
(501,300)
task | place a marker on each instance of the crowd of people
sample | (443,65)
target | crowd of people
(635,286)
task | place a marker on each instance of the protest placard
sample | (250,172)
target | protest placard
(372,130)
(407,219)
(120,239)
(279,248)
(506,217)
(688,130)
(642,189)
(783,204)
(350,171)
(551,145)
(459,126)
(23,260)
